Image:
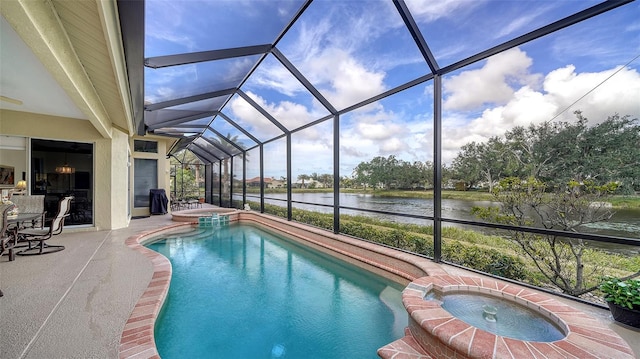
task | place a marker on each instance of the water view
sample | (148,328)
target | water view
(624,223)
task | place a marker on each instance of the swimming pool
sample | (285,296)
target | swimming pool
(242,292)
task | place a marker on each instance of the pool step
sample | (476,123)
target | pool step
(405,348)
(213,221)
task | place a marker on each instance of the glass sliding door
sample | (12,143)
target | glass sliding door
(59,169)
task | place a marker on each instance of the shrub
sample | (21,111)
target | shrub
(487,260)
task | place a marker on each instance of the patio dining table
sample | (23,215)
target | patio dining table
(23,217)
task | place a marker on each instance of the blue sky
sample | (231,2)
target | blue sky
(352,50)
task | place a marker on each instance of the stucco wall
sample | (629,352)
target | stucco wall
(119,180)
(111,169)
(163,167)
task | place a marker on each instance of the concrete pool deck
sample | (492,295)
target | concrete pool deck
(75,303)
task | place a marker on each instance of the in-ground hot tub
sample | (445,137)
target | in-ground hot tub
(500,314)
(434,332)
(192,215)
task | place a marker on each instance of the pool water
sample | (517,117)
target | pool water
(242,292)
(511,319)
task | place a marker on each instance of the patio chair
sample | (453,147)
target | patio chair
(40,236)
(7,237)
(31,204)
(178,204)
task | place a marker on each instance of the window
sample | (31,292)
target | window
(145,146)
(145,178)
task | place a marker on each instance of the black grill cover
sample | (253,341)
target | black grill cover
(158,201)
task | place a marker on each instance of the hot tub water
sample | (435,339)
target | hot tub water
(498,316)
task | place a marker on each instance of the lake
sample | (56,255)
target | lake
(624,223)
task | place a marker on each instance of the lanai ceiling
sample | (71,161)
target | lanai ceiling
(188,88)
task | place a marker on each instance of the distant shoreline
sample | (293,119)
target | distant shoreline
(629,202)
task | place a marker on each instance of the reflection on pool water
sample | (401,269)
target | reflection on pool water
(242,292)
(499,316)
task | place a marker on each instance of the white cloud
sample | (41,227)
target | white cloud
(334,52)
(519,21)
(352,151)
(379,131)
(384,133)
(491,84)
(162,20)
(252,120)
(635,26)
(393,145)
(429,10)
(342,79)
(619,93)
(308,157)
(562,87)
(526,107)
(290,114)
(276,77)
(163,92)
(377,124)
(238,68)
(163,87)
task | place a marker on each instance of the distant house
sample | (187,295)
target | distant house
(274,183)
(253,182)
(268,182)
(310,183)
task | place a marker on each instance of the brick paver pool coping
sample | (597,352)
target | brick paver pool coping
(434,332)
(137,340)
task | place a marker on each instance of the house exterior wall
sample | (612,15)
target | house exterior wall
(111,161)
(119,183)
(164,181)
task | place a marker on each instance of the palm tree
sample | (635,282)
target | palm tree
(326,179)
(303,178)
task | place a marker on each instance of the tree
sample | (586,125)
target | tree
(526,203)
(326,179)
(187,176)
(381,171)
(346,182)
(424,170)
(531,148)
(466,166)
(610,151)
(494,161)
(361,174)
(186,184)
(303,178)
(557,152)
(485,162)
(391,172)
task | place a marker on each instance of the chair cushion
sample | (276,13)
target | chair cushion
(34,231)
